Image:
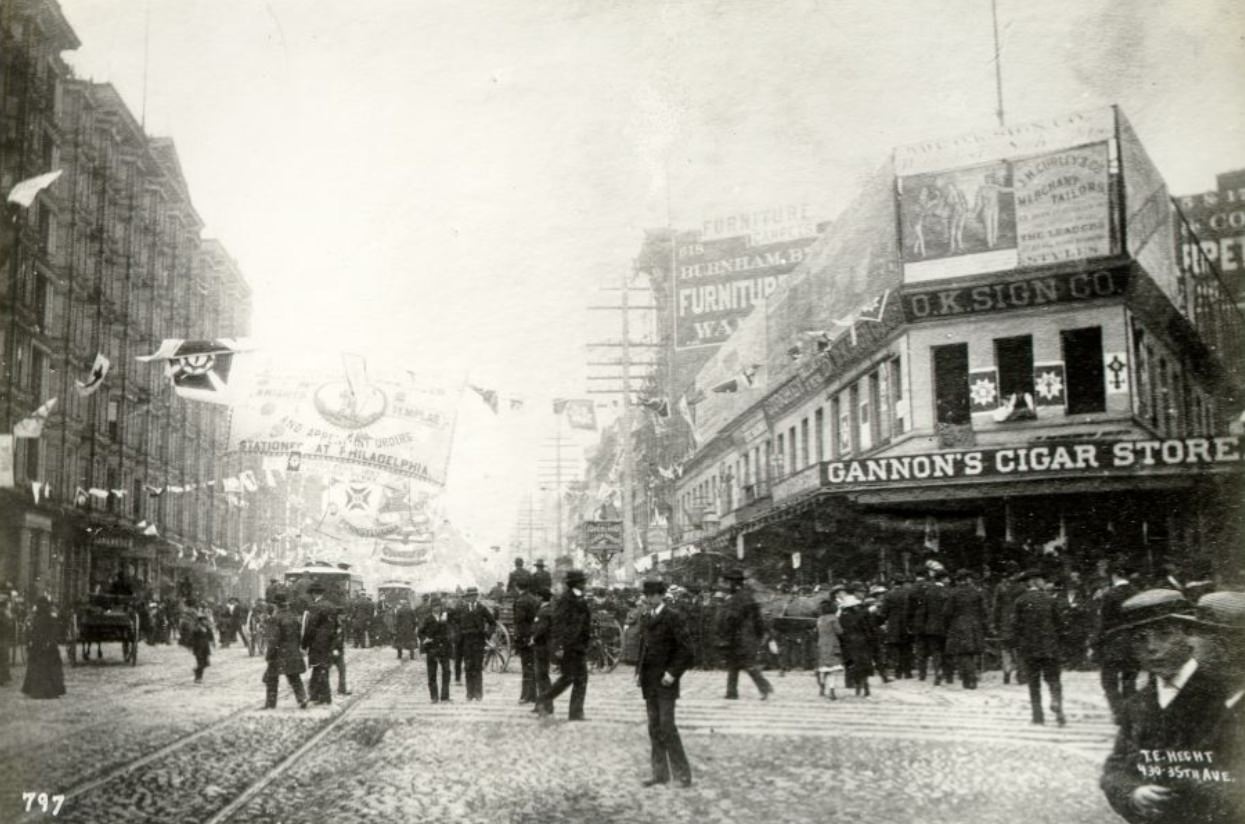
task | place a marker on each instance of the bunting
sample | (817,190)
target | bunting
(489,396)
(199,369)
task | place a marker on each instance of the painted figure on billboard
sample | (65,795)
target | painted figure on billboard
(956,206)
(987,207)
(959,212)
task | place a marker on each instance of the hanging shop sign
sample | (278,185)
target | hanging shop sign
(1068,287)
(1073,459)
(603,538)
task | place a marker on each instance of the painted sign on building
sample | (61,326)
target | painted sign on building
(1063,206)
(1024,293)
(1217,224)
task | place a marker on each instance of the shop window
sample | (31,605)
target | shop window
(879,397)
(1082,357)
(33,462)
(1014,359)
(951,399)
(114,409)
(819,428)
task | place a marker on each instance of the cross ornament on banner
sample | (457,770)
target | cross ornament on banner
(1115,365)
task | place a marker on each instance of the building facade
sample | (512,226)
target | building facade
(1025,371)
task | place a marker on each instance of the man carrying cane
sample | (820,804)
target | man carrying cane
(665,652)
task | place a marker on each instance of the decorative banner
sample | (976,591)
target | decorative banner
(6,461)
(399,425)
(983,390)
(1063,209)
(580,414)
(359,509)
(1050,384)
(99,371)
(1115,372)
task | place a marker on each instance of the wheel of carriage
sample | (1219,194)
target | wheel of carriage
(497,649)
(72,638)
(607,643)
(131,657)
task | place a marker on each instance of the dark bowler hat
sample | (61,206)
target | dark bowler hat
(1155,605)
(316,588)
(472,591)
(654,587)
(280,598)
(734,574)
(540,562)
(575,576)
(1223,611)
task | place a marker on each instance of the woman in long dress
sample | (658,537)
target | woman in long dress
(45,678)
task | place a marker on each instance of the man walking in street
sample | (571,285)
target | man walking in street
(572,628)
(434,635)
(930,618)
(966,628)
(319,637)
(1038,627)
(526,606)
(284,654)
(894,612)
(475,624)
(740,631)
(542,639)
(665,652)
(1115,648)
(404,630)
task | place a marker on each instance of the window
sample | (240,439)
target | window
(804,453)
(951,384)
(1082,358)
(1164,397)
(844,418)
(896,383)
(767,451)
(779,453)
(1014,358)
(864,416)
(793,462)
(114,411)
(879,392)
(1142,369)
(819,428)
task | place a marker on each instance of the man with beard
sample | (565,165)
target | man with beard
(1169,732)
(740,630)
(665,652)
(572,628)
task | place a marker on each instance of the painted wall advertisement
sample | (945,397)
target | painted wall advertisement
(1021,196)
(719,282)
(1217,225)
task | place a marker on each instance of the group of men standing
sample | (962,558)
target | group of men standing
(320,632)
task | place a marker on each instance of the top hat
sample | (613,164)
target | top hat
(575,576)
(735,574)
(1223,611)
(1155,605)
(316,588)
(471,591)
(654,587)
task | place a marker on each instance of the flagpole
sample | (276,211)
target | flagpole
(998,63)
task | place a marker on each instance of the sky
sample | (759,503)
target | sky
(452,181)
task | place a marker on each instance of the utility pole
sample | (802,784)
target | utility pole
(628,458)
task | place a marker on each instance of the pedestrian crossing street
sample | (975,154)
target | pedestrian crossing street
(908,711)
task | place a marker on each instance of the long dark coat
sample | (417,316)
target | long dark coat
(857,638)
(572,624)
(1190,724)
(475,622)
(932,615)
(45,677)
(434,633)
(1038,625)
(1114,648)
(525,609)
(404,628)
(740,629)
(320,633)
(895,613)
(966,620)
(542,627)
(664,647)
(285,655)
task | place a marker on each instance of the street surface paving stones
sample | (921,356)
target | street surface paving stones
(145,744)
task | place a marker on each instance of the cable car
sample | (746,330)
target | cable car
(395,593)
(340,584)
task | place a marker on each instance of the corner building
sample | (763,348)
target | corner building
(1019,366)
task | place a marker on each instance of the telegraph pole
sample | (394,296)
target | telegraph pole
(628,458)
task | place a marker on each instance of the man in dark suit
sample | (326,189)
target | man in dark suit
(572,630)
(1037,622)
(475,624)
(740,631)
(526,605)
(665,652)
(541,579)
(930,619)
(434,635)
(894,611)
(1114,648)
(284,654)
(1169,735)
(542,641)
(966,627)
(518,576)
(319,636)
(404,630)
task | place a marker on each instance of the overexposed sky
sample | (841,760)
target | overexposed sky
(452,180)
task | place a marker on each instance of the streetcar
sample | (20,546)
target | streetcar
(341,585)
(394,594)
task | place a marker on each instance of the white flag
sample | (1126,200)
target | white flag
(32,427)
(23,194)
(247,479)
(98,372)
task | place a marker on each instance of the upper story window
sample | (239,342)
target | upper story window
(951,399)
(1082,357)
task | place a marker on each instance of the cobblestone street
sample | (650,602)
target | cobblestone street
(146,744)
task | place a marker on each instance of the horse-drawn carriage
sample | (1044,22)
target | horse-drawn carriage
(105,619)
(604,651)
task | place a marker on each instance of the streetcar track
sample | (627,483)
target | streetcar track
(275,772)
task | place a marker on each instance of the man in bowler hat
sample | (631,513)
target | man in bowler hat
(665,652)
(540,578)
(740,630)
(475,623)
(434,635)
(1038,627)
(572,629)
(319,637)
(284,654)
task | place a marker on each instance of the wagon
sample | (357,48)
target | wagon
(107,619)
(498,646)
(604,651)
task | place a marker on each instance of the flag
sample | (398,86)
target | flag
(23,194)
(176,490)
(489,396)
(659,405)
(98,372)
(118,493)
(153,491)
(1049,384)
(983,390)
(199,369)
(36,489)
(871,311)
(80,497)
(744,379)
(247,479)
(32,427)
(96,492)
(579,414)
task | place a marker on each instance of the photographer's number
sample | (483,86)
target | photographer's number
(43,802)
